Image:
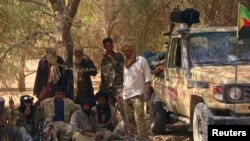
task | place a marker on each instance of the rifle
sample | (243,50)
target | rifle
(125,119)
(124,116)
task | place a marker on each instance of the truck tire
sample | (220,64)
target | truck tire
(158,117)
(200,122)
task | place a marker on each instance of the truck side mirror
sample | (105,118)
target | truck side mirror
(171,29)
(166,43)
(159,70)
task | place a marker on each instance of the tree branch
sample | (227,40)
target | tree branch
(5,54)
(29,73)
(53,2)
(7,87)
(37,2)
(16,76)
(49,14)
(73,8)
(32,36)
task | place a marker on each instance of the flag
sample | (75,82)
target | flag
(243,22)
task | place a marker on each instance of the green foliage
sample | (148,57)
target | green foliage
(17,21)
(144,23)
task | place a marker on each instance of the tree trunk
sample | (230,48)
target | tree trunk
(21,74)
(64,16)
(68,43)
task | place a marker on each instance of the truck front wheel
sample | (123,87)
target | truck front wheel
(200,122)
(159,118)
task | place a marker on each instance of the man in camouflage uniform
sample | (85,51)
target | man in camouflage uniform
(136,90)
(111,71)
(57,112)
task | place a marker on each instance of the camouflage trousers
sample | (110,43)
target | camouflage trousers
(134,108)
(62,131)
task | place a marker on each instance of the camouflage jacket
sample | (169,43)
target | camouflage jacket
(30,123)
(47,109)
(112,72)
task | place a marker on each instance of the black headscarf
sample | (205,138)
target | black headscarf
(88,102)
(104,113)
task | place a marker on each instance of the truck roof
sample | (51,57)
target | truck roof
(213,29)
(210,29)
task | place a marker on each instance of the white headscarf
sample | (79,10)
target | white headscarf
(76,68)
(2,99)
(54,70)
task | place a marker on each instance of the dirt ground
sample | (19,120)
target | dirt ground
(176,131)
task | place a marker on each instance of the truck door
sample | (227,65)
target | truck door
(174,78)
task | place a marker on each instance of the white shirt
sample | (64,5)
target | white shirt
(135,78)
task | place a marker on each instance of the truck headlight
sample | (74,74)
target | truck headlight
(218,92)
(235,93)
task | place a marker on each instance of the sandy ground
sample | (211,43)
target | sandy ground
(176,131)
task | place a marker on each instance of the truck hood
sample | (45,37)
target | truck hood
(221,74)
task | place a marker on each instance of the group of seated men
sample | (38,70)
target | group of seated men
(60,119)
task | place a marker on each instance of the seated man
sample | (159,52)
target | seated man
(106,115)
(27,117)
(8,131)
(84,126)
(57,112)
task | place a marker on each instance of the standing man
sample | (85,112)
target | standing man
(48,76)
(136,90)
(111,71)
(83,68)
(57,112)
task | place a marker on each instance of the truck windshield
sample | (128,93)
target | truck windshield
(218,48)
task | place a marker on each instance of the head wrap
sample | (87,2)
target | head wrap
(78,49)
(101,94)
(26,99)
(51,57)
(79,59)
(129,61)
(104,111)
(50,50)
(2,99)
(86,101)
